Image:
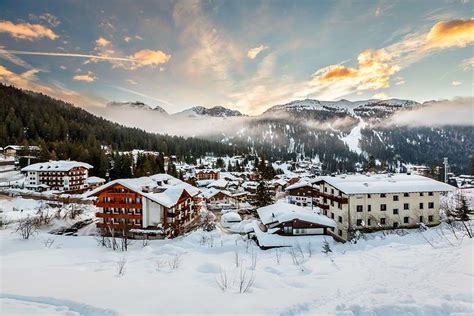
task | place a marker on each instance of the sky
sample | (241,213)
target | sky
(244,55)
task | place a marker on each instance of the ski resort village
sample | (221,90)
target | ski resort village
(234,227)
(226,157)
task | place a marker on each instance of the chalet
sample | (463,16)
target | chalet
(291,220)
(382,201)
(229,219)
(207,174)
(156,206)
(94,182)
(302,193)
(61,175)
(16,150)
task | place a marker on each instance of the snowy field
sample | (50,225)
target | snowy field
(383,275)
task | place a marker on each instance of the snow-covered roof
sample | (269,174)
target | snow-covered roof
(283,212)
(231,217)
(221,183)
(297,185)
(166,194)
(213,191)
(59,165)
(94,180)
(385,183)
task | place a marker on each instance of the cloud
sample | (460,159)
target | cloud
(147,57)
(380,96)
(127,39)
(46,17)
(468,64)
(456,82)
(455,33)
(252,53)
(88,77)
(378,11)
(131,81)
(26,31)
(458,111)
(102,42)
(399,81)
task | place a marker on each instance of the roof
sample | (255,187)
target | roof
(221,183)
(94,180)
(170,189)
(60,165)
(231,217)
(385,183)
(297,185)
(283,212)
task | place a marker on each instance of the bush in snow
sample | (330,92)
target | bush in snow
(222,280)
(326,248)
(121,266)
(27,227)
(245,281)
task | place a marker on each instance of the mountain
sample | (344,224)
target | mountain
(200,111)
(137,105)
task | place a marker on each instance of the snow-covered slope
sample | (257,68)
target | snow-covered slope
(137,105)
(217,111)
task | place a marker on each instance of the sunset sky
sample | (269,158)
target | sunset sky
(245,55)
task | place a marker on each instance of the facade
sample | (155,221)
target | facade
(369,203)
(14,150)
(62,175)
(156,206)
(301,194)
(207,174)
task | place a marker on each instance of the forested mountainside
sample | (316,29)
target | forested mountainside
(69,132)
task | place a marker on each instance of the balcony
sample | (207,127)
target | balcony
(336,198)
(323,206)
(115,215)
(112,204)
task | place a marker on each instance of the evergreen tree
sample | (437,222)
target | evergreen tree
(263,195)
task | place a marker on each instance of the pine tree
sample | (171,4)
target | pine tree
(263,195)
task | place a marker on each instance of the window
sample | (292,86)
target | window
(359,208)
(395,197)
(332,215)
(382,221)
(383,195)
(383,207)
(332,191)
(369,208)
(369,196)
(430,193)
(325,189)
(339,219)
(421,219)
(325,212)
(406,206)
(430,205)
(406,194)
(421,206)
(395,224)
(332,203)
(288,230)
(421,194)
(359,222)
(430,218)
(339,205)
(406,220)
(368,222)
(395,211)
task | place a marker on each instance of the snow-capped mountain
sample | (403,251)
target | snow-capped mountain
(217,111)
(353,108)
(137,105)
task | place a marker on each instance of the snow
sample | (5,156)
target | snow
(60,165)
(385,183)
(384,274)
(284,212)
(352,140)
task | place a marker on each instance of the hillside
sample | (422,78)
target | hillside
(69,132)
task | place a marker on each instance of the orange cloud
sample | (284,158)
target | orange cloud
(89,77)
(26,31)
(252,53)
(455,33)
(102,42)
(147,57)
(338,72)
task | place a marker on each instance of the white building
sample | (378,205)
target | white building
(384,201)
(62,175)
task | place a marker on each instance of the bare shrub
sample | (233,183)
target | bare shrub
(254,259)
(245,281)
(277,255)
(222,280)
(48,242)
(121,264)
(309,248)
(174,262)
(237,259)
(294,257)
(27,227)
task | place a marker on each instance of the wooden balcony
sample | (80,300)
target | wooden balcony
(118,205)
(122,216)
(323,206)
(335,198)
(116,226)
(120,195)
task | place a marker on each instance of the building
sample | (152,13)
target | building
(383,201)
(61,175)
(207,174)
(155,206)
(301,193)
(16,150)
